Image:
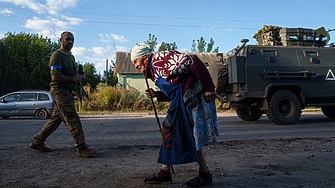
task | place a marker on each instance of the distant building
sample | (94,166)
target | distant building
(128,76)
(131,78)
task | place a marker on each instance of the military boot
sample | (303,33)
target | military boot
(83,151)
(38,144)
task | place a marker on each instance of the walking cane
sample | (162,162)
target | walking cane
(157,119)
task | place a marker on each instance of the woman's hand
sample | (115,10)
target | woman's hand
(210,96)
(150,93)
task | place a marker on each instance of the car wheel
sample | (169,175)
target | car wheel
(41,114)
(284,108)
(248,114)
(328,111)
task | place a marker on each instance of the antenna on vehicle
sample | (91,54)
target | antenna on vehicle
(244,41)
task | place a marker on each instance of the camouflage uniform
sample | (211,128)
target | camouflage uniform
(64,111)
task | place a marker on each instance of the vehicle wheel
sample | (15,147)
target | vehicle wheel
(5,117)
(284,108)
(41,114)
(328,111)
(248,114)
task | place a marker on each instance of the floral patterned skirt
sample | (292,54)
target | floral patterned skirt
(204,119)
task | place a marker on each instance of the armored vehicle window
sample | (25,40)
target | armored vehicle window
(269,53)
(308,37)
(321,38)
(311,54)
(293,37)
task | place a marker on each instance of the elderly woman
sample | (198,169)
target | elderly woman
(191,122)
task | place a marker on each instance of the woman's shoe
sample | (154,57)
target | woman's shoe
(161,177)
(201,180)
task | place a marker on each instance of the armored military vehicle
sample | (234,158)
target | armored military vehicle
(280,78)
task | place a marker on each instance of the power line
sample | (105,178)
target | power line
(171,25)
(197,19)
(184,18)
(160,25)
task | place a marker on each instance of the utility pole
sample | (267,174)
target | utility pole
(106,71)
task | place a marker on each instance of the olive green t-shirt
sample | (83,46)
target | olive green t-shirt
(61,63)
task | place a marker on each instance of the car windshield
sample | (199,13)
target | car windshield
(12,97)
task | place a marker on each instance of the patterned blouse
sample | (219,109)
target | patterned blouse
(178,67)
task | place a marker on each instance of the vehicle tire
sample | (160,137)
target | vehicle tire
(284,108)
(5,117)
(41,114)
(248,114)
(328,111)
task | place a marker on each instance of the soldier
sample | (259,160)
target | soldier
(63,80)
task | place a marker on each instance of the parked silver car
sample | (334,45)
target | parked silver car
(26,103)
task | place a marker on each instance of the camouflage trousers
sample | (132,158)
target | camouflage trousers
(64,111)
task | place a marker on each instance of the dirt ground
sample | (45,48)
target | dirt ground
(252,163)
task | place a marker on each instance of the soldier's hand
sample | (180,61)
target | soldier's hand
(82,76)
(78,77)
(150,93)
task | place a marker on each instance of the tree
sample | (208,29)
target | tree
(167,46)
(216,50)
(202,44)
(3,65)
(193,46)
(210,46)
(152,41)
(91,77)
(24,62)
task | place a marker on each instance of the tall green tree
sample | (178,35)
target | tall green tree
(24,61)
(193,46)
(3,65)
(203,46)
(152,41)
(91,76)
(167,46)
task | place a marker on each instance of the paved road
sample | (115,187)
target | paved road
(141,129)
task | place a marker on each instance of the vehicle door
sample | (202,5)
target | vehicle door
(9,104)
(44,101)
(28,104)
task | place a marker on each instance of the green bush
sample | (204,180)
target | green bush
(107,99)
